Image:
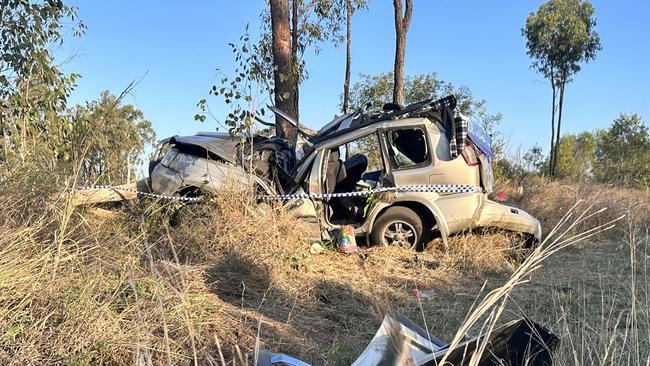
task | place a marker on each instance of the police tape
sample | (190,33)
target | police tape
(429,188)
(423,188)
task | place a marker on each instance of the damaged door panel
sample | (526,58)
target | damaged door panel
(179,170)
(304,209)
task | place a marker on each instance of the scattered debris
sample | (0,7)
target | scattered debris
(400,341)
(426,263)
(422,294)
(419,262)
(316,248)
(266,358)
(346,240)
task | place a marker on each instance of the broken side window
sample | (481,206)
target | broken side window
(408,147)
(368,146)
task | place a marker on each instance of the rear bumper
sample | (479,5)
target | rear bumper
(493,214)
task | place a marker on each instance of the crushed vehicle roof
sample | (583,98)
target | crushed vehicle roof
(439,111)
(221,144)
(361,118)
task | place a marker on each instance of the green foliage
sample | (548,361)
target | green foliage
(33,91)
(27,29)
(504,169)
(378,89)
(517,169)
(242,89)
(623,153)
(103,138)
(107,139)
(576,156)
(560,36)
(619,155)
(532,159)
(319,22)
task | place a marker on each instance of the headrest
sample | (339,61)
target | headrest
(335,155)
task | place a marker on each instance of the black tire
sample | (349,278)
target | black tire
(394,226)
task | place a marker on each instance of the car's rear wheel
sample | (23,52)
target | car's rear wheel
(399,226)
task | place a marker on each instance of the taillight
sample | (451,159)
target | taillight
(469,154)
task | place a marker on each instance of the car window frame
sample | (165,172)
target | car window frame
(391,159)
(323,151)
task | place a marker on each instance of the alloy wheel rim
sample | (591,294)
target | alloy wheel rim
(400,233)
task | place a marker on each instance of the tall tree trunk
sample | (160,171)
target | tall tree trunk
(559,125)
(283,71)
(294,56)
(348,57)
(402,24)
(552,154)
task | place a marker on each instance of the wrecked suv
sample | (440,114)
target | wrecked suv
(426,144)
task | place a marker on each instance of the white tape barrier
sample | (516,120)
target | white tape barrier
(431,188)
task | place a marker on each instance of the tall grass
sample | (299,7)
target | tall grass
(608,323)
(489,310)
(80,288)
(612,331)
(76,288)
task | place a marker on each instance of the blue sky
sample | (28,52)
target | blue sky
(179,46)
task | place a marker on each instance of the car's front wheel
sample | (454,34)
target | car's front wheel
(399,226)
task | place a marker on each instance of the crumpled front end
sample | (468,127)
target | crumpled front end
(178,170)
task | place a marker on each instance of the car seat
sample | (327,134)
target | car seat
(354,166)
(349,209)
(335,170)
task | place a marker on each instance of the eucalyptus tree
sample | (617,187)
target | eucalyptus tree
(560,36)
(33,90)
(276,62)
(402,25)
(351,6)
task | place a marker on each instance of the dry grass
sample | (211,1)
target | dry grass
(596,298)
(76,288)
(477,254)
(487,313)
(550,200)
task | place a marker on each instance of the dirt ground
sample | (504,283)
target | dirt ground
(338,301)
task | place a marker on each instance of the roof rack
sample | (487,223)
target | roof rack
(361,119)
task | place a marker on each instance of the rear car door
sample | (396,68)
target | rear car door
(413,160)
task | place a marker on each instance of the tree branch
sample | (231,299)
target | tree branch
(408,14)
(398,15)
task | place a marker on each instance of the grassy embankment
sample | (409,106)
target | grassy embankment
(77,288)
